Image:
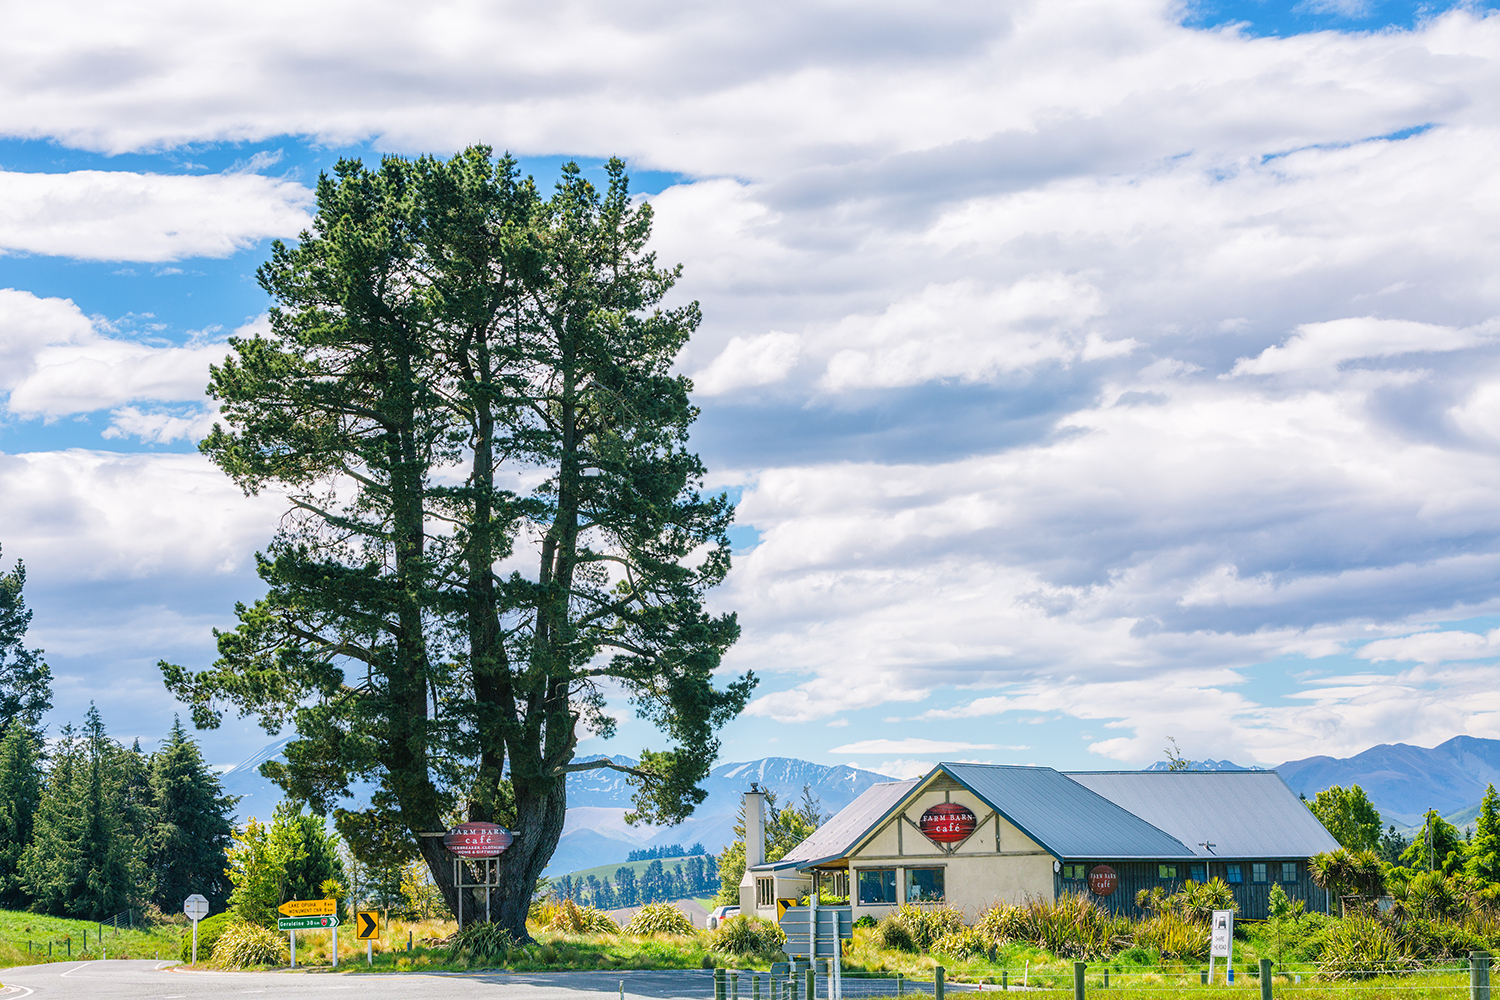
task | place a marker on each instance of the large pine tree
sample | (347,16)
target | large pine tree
(190,829)
(25,680)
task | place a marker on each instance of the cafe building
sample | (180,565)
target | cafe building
(972,835)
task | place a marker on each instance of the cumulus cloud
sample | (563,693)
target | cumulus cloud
(1319,346)
(119,215)
(746,362)
(914,745)
(58,362)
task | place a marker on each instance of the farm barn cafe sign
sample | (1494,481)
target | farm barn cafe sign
(947,823)
(477,840)
(1103,880)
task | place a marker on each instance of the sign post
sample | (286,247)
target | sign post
(308,914)
(196,908)
(1221,942)
(367,929)
(481,841)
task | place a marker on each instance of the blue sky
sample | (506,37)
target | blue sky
(1087,373)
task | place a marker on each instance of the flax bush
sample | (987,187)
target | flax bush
(575,919)
(659,918)
(1173,934)
(917,928)
(961,943)
(244,945)
(747,935)
(482,944)
(1362,946)
(1070,926)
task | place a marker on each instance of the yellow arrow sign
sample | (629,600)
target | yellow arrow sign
(367,925)
(308,907)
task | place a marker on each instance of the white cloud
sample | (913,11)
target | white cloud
(58,362)
(159,427)
(1318,346)
(119,215)
(1435,647)
(746,362)
(914,745)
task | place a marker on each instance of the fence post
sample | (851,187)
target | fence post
(937,983)
(1005,979)
(718,984)
(1265,979)
(900,985)
(755,987)
(1078,970)
(812,983)
(1479,975)
(1203,976)
(734,985)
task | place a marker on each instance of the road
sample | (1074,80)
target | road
(146,980)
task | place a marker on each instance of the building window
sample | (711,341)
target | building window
(1166,871)
(835,884)
(877,885)
(1198,873)
(1258,872)
(1289,871)
(1233,875)
(924,885)
(765,892)
(1075,873)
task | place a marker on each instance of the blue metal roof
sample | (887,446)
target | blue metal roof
(1243,814)
(1066,818)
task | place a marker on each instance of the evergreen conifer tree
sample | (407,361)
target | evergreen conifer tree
(25,680)
(20,794)
(191,830)
(82,861)
(1483,850)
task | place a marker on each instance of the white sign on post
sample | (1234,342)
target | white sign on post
(1221,941)
(196,908)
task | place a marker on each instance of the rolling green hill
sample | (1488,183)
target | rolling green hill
(79,939)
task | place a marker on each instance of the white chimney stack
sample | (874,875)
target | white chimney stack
(755,827)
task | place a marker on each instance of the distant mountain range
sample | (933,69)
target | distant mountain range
(1405,781)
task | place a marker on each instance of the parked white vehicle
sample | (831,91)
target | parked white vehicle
(720,913)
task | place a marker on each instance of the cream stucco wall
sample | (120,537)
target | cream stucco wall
(998,863)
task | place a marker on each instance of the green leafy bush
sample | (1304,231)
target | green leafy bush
(208,933)
(747,935)
(244,946)
(482,944)
(1173,935)
(892,932)
(1361,946)
(1072,926)
(575,919)
(917,928)
(1430,939)
(865,921)
(659,918)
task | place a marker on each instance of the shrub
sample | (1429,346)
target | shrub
(1004,923)
(208,933)
(1072,926)
(961,943)
(892,932)
(572,918)
(1359,947)
(747,935)
(244,945)
(865,921)
(659,918)
(1173,935)
(481,943)
(1431,939)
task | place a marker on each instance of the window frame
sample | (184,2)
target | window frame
(1079,872)
(859,882)
(1259,873)
(1166,873)
(1296,876)
(765,891)
(942,876)
(1198,873)
(1234,874)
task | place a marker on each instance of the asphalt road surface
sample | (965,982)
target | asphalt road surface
(146,980)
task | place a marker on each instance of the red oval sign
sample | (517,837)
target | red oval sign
(947,823)
(477,840)
(1103,880)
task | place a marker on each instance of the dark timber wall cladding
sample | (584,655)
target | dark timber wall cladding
(1253,897)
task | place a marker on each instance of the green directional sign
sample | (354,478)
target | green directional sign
(306,923)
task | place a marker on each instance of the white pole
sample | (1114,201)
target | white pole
(292,935)
(335,929)
(369,952)
(195,940)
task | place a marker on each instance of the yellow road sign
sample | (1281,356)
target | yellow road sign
(308,908)
(366,924)
(782,905)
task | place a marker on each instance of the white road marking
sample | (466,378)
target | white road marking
(71,971)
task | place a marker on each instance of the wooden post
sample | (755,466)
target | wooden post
(1479,975)
(718,984)
(1078,970)
(734,985)
(1265,979)
(1005,979)
(812,984)
(937,983)
(1106,977)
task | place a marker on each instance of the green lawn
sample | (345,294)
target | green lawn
(78,939)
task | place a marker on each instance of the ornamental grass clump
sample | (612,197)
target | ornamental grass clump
(917,928)
(481,944)
(571,918)
(1362,946)
(961,943)
(244,946)
(1070,926)
(659,918)
(1172,934)
(747,935)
